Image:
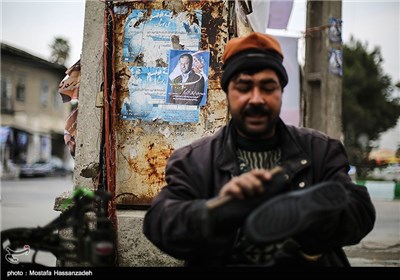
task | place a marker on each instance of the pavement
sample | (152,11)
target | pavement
(381,247)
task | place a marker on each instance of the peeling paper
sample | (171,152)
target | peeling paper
(132,153)
(166,132)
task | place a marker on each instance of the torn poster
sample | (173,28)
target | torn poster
(150,37)
(336,62)
(335,30)
(146,100)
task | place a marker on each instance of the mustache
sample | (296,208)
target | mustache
(253,110)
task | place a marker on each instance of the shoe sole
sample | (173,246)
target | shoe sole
(289,214)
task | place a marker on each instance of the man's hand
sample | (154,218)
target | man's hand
(240,196)
(247,184)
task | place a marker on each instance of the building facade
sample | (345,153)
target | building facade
(32,112)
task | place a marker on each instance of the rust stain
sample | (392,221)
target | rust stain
(156,158)
(148,170)
(131,199)
(214,38)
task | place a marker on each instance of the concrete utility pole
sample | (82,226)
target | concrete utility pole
(322,90)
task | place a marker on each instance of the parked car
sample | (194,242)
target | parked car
(43,168)
(389,173)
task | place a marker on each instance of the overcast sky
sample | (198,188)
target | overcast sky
(32,25)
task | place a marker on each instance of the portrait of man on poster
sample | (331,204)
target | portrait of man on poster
(187,84)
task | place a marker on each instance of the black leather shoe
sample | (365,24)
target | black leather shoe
(292,213)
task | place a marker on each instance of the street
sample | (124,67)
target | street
(30,202)
(381,247)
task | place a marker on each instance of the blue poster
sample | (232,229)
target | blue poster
(336,62)
(149,37)
(146,100)
(335,30)
(188,77)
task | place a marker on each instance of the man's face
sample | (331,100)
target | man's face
(184,63)
(255,103)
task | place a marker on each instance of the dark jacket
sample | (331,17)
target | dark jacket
(195,173)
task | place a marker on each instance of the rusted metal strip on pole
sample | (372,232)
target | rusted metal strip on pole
(109,107)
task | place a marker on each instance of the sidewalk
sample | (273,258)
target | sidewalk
(381,247)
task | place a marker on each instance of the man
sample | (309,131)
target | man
(259,192)
(187,88)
